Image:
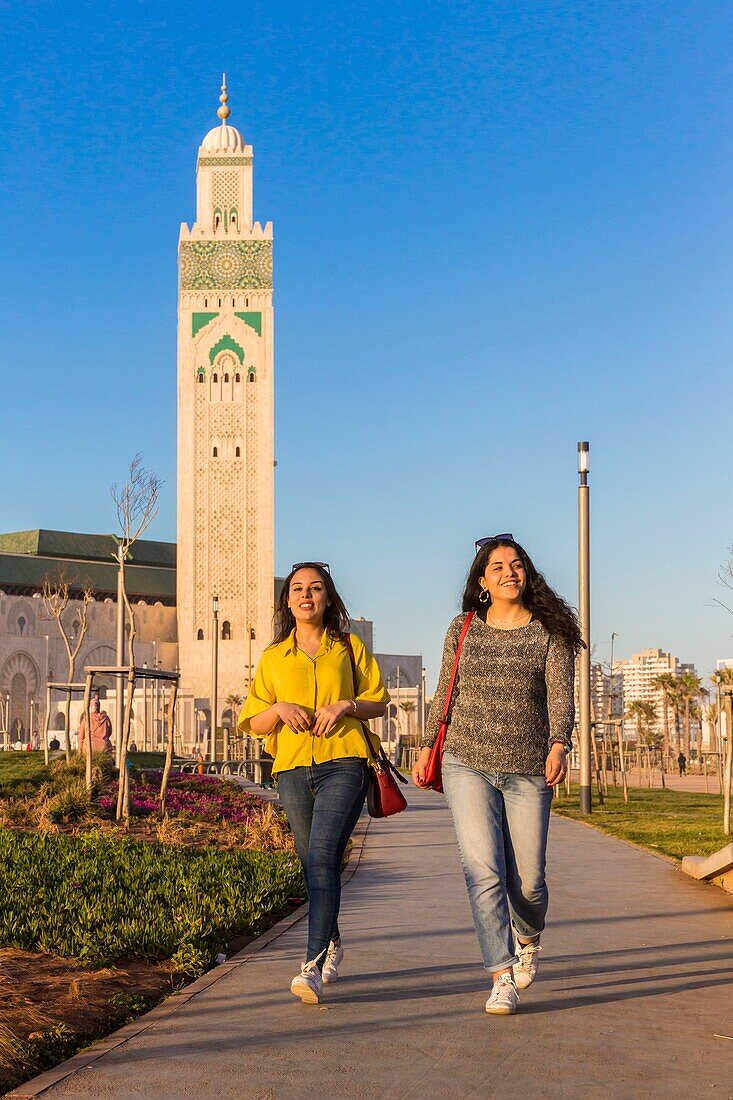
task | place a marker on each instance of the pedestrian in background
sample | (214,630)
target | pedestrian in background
(506,747)
(309,702)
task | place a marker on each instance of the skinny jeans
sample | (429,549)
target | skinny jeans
(323,803)
(501,822)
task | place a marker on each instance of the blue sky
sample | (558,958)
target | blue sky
(500,228)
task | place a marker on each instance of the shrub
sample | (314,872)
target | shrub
(70,804)
(101,900)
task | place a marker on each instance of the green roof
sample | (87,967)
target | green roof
(27,557)
(68,544)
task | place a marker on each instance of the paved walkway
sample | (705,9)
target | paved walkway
(636,981)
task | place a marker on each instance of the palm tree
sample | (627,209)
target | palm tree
(690,690)
(234,702)
(664,684)
(644,714)
(408,707)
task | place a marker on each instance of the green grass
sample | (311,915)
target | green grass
(101,900)
(21,772)
(670,823)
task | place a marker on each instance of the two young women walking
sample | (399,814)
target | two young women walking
(511,720)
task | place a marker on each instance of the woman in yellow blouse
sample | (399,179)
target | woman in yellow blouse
(306,705)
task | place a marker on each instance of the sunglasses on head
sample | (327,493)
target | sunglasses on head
(311,565)
(507,536)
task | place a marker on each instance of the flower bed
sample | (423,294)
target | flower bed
(203,797)
(101,899)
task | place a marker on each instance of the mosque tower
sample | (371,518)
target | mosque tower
(225,425)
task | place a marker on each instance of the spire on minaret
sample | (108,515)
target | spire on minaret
(224,111)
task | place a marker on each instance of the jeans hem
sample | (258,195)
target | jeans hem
(492,969)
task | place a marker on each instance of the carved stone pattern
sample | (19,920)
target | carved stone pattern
(213,162)
(226,559)
(225,265)
(225,190)
(202,609)
(251,454)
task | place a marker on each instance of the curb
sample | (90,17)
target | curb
(85,1058)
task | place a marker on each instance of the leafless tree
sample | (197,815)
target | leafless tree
(137,506)
(725,578)
(56,591)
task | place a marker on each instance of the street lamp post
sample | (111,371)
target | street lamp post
(422,703)
(214,673)
(584,728)
(120,650)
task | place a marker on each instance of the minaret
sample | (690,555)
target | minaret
(225,424)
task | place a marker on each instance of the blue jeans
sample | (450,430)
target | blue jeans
(323,803)
(501,822)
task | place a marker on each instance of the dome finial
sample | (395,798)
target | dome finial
(224,111)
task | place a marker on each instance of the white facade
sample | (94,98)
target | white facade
(225,424)
(638,673)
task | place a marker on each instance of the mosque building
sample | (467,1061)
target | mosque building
(224,556)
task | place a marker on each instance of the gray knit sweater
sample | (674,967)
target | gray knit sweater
(513,696)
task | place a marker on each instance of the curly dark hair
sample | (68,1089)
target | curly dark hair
(335,619)
(557,616)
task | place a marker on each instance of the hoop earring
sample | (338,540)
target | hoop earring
(484,597)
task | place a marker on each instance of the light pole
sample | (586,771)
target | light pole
(214,673)
(120,651)
(145,710)
(422,703)
(584,731)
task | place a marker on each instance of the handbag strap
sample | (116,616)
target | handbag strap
(454,673)
(380,759)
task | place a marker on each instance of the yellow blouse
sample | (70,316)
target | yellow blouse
(287,675)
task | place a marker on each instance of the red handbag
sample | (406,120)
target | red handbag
(384,797)
(434,767)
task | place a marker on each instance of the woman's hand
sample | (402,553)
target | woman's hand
(418,771)
(326,717)
(556,765)
(295,716)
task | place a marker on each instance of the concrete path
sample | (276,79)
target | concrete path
(635,983)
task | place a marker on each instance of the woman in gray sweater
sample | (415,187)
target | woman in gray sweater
(510,729)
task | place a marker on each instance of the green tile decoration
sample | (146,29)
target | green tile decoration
(200,320)
(224,161)
(254,320)
(225,265)
(226,344)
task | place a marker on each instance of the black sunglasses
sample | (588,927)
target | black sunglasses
(311,564)
(506,536)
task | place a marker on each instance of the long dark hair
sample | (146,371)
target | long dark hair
(335,619)
(551,610)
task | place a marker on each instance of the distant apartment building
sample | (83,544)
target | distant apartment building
(606,692)
(638,673)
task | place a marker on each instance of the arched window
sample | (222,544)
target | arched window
(246,302)
(206,303)
(199,635)
(215,378)
(201,376)
(226,631)
(251,375)
(237,453)
(226,377)
(215,452)
(233,217)
(21,625)
(237,377)
(217,220)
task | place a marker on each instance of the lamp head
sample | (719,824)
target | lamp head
(583,458)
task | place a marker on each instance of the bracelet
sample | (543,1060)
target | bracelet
(353,704)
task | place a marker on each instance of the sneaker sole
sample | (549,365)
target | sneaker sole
(307,995)
(329,981)
(501,1011)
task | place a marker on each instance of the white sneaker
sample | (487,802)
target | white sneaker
(504,997)
(333,959)
(525,971)
(308,984)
